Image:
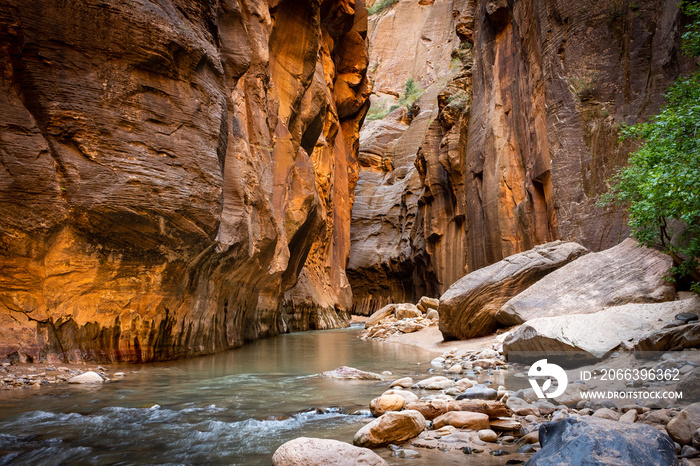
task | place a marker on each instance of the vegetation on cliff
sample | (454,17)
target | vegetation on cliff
(661,184)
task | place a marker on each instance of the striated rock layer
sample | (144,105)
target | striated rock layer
(169,169)
(524,139)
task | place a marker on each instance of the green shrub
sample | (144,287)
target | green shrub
(380,5)
(411,93)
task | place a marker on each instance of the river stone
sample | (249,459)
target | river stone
(410,397)
(630,416)
(614,326)
(606,413)
(392,427)
(321,452)
(409,326)
(438,382)
(88,377)
(350,373)
(478,392)
(405,382)
(586,441)
(487,435)
(406,311)
(385,403)
(682,427)
(623,274)
(522,407)
(433,314)
(468,308)
(462,420)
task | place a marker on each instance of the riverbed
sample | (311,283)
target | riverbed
(235,407)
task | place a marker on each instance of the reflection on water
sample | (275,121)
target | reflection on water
(231,408)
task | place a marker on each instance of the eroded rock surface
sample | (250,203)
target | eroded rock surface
(468,308)
(320,452)
(169,169)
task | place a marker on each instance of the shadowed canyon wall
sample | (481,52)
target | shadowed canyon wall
(521,143)
(176,178)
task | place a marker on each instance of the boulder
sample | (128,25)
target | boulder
(468,308)
(406,311)
(386,403)
(614,326)
(432,314)
(682,427)
(321,452)
(462,420)
(392,427)
(626,273)
(404,382)
(585,441)
(88,377)
(409,326)
(431,409)
(350,373)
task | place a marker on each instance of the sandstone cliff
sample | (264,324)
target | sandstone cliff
(169,169)
(523,142)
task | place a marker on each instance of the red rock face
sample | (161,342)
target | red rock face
(524,142)
(167,169)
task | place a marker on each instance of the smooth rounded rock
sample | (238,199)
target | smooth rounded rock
(410,397)
(88,377)
(321,452)
(392,427)
(436,383)
(478,392)
(386,403)
(405,382)
(462,420)
(606,413)
(487,435)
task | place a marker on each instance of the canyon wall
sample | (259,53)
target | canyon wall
(176,178)
(523,139)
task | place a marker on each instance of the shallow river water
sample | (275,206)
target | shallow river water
(235,407)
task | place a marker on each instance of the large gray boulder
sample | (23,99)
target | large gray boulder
(614,326)
(468,308)
(322,452)
(587,441)
(620,275)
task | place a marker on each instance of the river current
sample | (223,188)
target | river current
(235,407)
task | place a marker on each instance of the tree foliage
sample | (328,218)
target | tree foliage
(661,183)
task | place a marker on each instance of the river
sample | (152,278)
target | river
(235,407)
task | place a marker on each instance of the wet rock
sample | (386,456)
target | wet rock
(478,392)
(392,427)
(682,427)
(385,403)
(575,441)
(405,382)
(487,435)
(468,308)
(686,317)
(409,397)
(626,273)
(462,420)
(321,452)
(88,377)
(435,383)
(434,408)
(350,373)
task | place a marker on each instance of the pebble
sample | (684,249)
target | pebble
(487,435)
